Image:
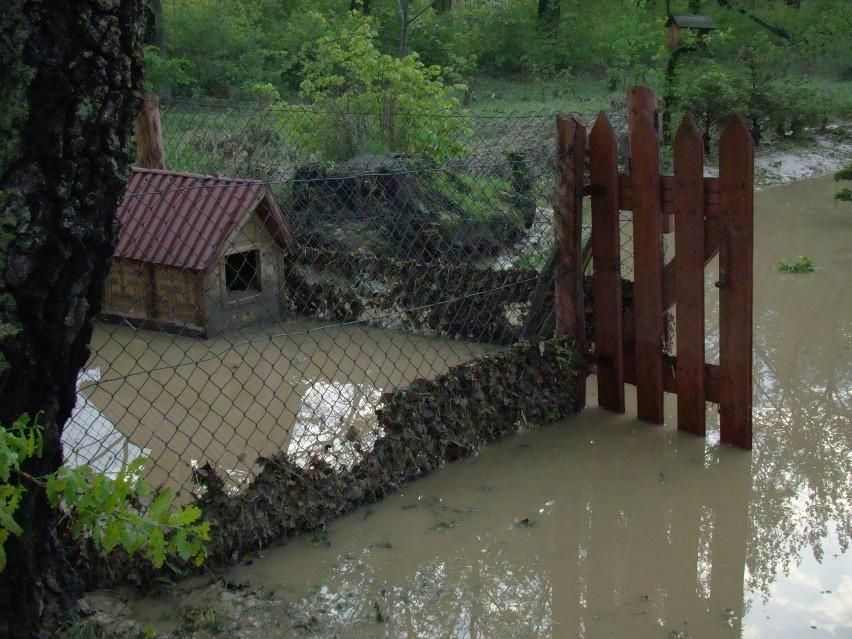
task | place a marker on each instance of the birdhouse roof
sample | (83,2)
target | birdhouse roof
(704,23)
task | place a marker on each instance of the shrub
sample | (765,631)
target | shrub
(105,508)
(710,94)
(363,101)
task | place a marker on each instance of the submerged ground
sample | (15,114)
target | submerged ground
(603,526)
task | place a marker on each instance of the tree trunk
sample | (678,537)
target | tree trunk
(157,36)
(360,5)
(443,6)
(549,10)
(71,73)
(406,25)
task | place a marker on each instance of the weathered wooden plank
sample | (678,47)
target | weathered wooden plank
(150,152)
(736,202)
(606,253)
(568,226)
(689,278)
(648,269)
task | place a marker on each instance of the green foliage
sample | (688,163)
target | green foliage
(215,48)
(803,265)
(162,72)
(364,101)
(794,105)
(710,94)
(627,47)
(111,510)
(844,195)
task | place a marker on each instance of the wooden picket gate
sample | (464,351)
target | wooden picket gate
(709,217)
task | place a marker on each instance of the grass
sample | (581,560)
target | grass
(522,95)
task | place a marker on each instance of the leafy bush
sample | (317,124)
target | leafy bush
(105,508)
(710,94)
(795,105)
(627,48)
(844,194)
(164,74)
(363,101)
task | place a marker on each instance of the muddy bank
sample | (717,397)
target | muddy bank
(783,162)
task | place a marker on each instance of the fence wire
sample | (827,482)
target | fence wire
(264,297)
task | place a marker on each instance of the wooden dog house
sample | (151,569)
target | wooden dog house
(197,255)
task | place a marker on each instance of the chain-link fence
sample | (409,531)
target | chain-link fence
(263,297)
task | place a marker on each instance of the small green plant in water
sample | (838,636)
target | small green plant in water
(103,507)
(845,194)
(804,265)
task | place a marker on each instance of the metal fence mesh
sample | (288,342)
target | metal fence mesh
(263,298)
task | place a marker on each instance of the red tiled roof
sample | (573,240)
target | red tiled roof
(182,220)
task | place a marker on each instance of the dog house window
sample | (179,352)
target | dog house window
(241,271)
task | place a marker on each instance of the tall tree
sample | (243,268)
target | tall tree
(71,71)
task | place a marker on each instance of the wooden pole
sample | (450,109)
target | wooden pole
(736,204)
(606,253)
(149,135)
(689,276)
(568,226)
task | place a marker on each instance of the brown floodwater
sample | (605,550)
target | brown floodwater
(604,526)
(184,402)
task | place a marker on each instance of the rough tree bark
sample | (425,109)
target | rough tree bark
(71,71)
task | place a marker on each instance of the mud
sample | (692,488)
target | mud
(601,525)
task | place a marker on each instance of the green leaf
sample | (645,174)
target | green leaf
(8,523)
(111,535)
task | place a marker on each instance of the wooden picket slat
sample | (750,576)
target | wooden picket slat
(648,269)
(689,276)
(736,203)
(606,249)
(568,226)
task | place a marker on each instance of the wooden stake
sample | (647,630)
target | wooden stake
(149,136)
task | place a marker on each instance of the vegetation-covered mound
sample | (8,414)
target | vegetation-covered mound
(410,208)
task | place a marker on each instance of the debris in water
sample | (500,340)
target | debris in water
(380,617)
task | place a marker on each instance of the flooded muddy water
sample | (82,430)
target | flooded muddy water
(603,526)
(298,386)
